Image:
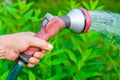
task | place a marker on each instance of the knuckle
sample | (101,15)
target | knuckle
(30,65)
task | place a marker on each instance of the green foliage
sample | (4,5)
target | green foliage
(93,5)
(89,56)
(31,76)
(18,16)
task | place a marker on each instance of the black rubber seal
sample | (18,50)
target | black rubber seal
(24,57)
(66,20)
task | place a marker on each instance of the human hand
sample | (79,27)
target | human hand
(12,45)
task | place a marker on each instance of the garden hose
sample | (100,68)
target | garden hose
(77,20)
(16,69)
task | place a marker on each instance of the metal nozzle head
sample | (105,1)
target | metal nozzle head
(78,20)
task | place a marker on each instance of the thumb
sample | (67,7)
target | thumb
(37,42)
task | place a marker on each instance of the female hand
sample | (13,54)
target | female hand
(12,45)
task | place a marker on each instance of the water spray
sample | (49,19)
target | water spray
(77,20)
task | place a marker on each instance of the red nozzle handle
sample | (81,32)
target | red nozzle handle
(42,34)
(46,32)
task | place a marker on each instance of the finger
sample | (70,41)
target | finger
(40,43)
(3,57)
(43,51)
(30,33)
(3,51)
(33,60)
(11,55)
(2,54)
(30,65)
(25,33)
(38,55)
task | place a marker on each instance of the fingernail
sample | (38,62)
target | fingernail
(50,46)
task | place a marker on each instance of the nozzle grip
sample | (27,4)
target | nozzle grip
(31,50)
(51,29)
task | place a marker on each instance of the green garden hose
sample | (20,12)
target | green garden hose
(16,69)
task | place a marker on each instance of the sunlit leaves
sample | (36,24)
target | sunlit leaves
(31,75)
(19,17)
(93,5)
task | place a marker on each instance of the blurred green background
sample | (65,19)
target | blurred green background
(89,56)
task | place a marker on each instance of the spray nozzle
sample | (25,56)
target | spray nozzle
(77,20)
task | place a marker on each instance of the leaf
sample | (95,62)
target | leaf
(71,5)
(73,70)
(4,75)
(19,78)
(74,40)
(113,63)
(37,12)
(0,25)
(21,5)
(72,56)
(58,76)
(4,30)
(37,28)
(100,7)
(26,16)
(25,28)
(57,52)
(12,11)
(28,6)
(84,75)
(60,13)
(31,76)
(86,5)
(94,4)
(86,54)
(5,67)
(9,23)
(58,61)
